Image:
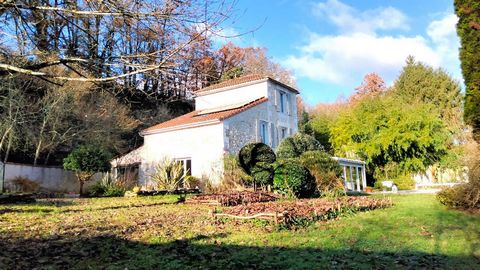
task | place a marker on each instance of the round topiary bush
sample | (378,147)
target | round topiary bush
(293,179)
(294,146)
(255,154)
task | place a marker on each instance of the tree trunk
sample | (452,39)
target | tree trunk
(37,153)
(7,152)
(81,188)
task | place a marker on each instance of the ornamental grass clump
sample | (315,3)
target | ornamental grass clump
(168,174)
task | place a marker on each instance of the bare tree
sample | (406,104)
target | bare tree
(126,41)
(12,113)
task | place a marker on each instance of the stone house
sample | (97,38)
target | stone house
(227,116)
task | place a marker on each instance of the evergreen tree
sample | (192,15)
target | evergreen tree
(421,83)
(468,29)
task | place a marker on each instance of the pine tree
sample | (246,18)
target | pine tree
(468,29)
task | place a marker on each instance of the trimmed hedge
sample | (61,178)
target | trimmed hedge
(293,179)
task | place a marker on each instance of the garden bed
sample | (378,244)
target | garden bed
(233,198)
(289,212)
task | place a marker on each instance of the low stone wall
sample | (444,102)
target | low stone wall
(52,179)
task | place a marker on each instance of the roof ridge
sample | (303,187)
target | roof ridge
(234,81)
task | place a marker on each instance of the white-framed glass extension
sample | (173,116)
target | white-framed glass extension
(354,175)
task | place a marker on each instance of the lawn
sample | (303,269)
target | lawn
(155,232)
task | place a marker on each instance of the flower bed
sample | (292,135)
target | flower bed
(289,212)
(233,198)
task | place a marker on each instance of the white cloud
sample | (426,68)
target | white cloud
(444,37)
(225,35)
(359,48)
(350,20)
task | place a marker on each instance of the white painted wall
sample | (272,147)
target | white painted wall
(232,96)
(204,145)
(53,179)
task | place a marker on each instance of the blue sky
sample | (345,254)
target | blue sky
(331,44)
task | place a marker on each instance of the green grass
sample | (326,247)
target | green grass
(154,232)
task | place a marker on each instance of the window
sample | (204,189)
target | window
(283,102)
(263,132)
(128,173)
(186,164)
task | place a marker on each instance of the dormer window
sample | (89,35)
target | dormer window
(283,102)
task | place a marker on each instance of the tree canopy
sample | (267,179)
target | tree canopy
(384,130)
(421,83)
(85,161)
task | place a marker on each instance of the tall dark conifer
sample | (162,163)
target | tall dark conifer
(468,29)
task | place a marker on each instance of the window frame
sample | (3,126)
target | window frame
(184,161)
(283,101)
(264,137)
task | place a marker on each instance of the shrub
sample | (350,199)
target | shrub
(262,176)
(320,162)
(256,160)
(191,181)
(327,173)
(463,196)
(293,179)
(23,184)
(107,187)
(466,195)
(234,177)
(294,146)
(404,182)
(253,153)
(85,161)
(168,174)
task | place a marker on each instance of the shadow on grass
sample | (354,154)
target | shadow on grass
(203,252)
(18,210)
(56,204)
(115,207)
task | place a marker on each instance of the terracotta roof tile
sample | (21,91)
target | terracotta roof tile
(198,116)
(241,80)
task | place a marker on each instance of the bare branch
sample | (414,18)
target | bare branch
(86,13)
